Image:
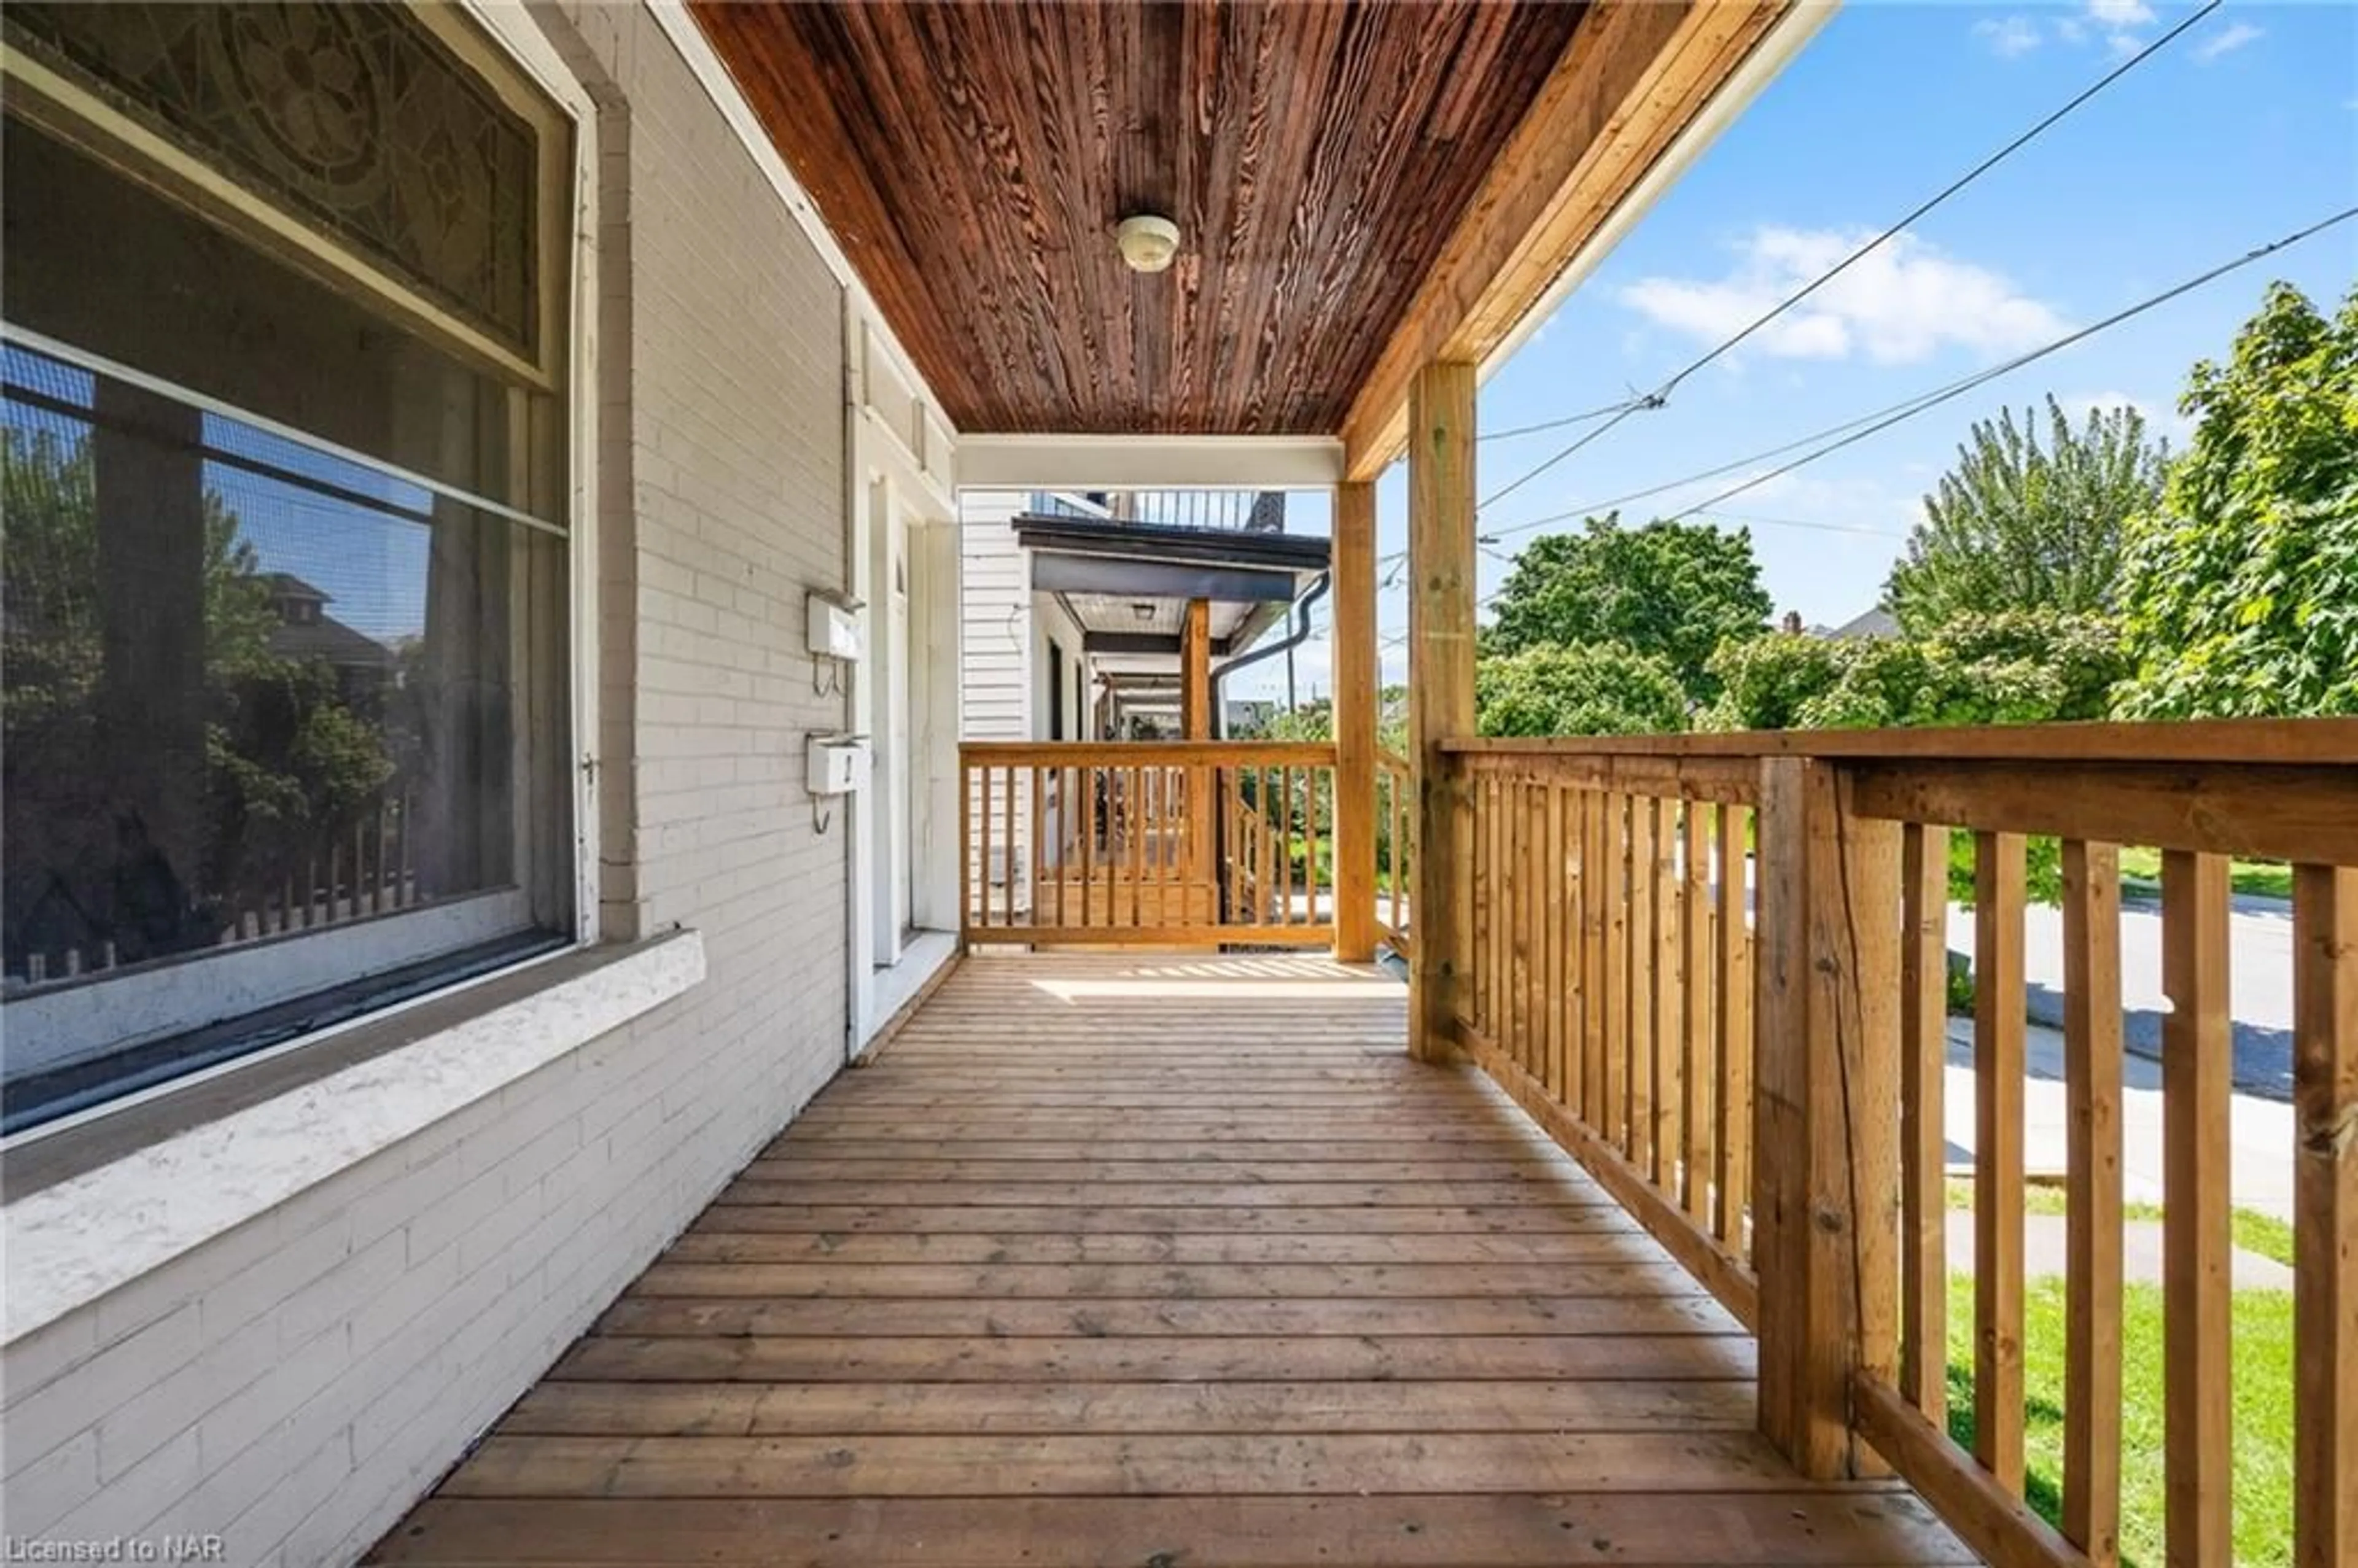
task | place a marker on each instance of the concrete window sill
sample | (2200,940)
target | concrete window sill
(99,1204)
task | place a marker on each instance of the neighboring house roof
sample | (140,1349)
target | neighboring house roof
(1876,623)
(306,631)
(333,640)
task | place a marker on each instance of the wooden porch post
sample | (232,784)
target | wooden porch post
(1356,684)
(1441,684)
(1825,1187)
(1195,671)
(1195,724)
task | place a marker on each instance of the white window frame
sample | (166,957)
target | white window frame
(510,29)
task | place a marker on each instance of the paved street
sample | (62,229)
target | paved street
(2259,975)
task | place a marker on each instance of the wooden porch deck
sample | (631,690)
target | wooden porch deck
(1155,1260)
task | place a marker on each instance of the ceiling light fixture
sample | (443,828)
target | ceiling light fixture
(1142,610)
(1148,241)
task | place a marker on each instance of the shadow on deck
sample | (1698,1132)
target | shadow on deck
(1156,1260)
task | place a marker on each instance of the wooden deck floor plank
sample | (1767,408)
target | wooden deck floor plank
(1179,1357)
(735,1211)
(868,1318)
(1132,1464)
(1839,1529)
(840,1409)
(828,1279)
(711,1245)
(958,1166)
(1228,1195)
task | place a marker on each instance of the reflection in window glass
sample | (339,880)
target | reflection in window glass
(251,691)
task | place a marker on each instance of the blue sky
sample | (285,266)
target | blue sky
(2244,129)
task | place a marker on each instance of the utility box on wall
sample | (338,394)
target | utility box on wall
(838,763)
(836,628)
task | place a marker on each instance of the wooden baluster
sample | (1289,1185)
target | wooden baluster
(1531,873)
(983,852)
(1475,997)
(1670,993)
(1924,1131)
(1064,868)
(1612,975)
(1998,1066)
(1285,840)
(1037,911)
(1572,1085)
(1133,834)
(1548,1068)
(1310,777)
(2092,1077)
(1092,776)
(1636,979)
(2325,1215)
(1694,983)
(1272,847)
(1595,989)
(966,847)
(1395,844)
(2197,1079)
(1517,889)
(1733,1017)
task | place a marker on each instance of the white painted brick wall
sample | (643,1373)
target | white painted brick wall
(294,1385)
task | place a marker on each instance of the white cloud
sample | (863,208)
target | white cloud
(1904,302)
(2235,36)
(2160,417)
(2120,13)
(2008,37)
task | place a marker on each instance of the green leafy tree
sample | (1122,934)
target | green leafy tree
(1672,591)
(2020,526)
(2015,667)
(1581,689)
(2239,592)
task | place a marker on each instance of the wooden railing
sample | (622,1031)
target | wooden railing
(1768,1099)
(1608,983)
(1395,848)
(1147,844)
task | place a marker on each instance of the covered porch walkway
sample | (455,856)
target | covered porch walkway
(1156,1260)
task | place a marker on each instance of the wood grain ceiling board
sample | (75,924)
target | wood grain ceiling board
(973,159)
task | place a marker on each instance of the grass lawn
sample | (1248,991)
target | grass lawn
(2263,1412)
(2272,878)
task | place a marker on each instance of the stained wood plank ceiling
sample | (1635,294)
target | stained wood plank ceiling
(974,159)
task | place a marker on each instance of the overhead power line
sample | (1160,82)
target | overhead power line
(1865,425)
(1970,383)
(1547,425)
(1662,394)
(1852,431)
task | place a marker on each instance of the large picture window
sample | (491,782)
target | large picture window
(284,592)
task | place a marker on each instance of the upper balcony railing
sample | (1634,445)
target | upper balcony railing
(1246,511)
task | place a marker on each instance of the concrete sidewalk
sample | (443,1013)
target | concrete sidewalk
(2043,1253)
(2260,1164)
